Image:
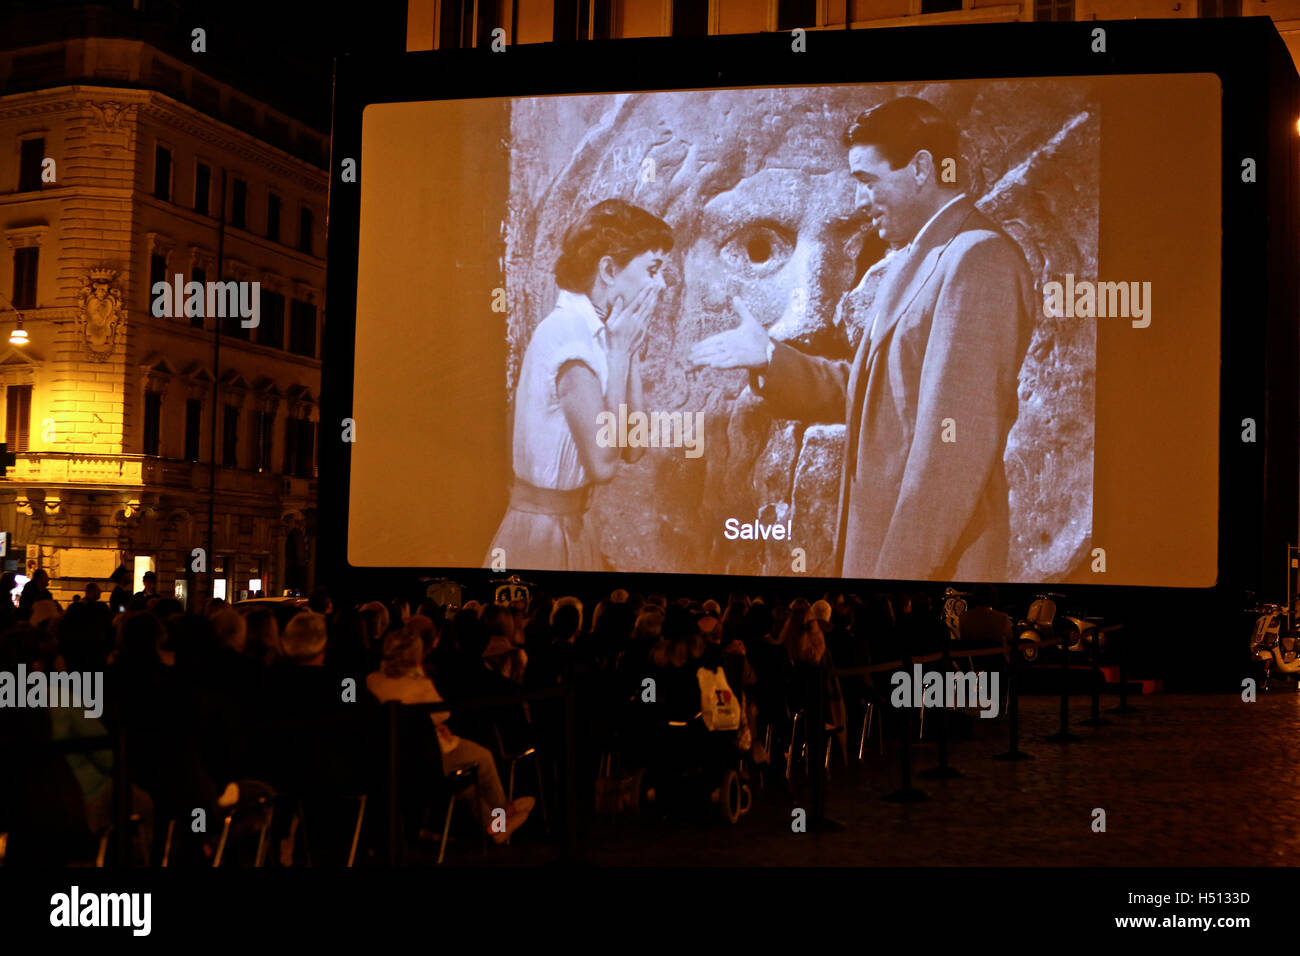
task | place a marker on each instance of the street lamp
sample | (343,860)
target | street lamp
(19,334)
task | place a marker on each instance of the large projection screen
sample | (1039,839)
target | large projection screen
(1026,390)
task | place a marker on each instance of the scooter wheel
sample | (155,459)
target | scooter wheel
(729,796)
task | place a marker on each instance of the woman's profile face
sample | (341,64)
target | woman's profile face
(646,269)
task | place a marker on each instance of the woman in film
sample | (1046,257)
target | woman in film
(582,360)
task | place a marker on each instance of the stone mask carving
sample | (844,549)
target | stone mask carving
(756,188)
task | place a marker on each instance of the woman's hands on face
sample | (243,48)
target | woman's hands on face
(628,322)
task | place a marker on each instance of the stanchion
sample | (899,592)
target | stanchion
(1063,736)
(1096,720)
(816,734)
(944,771)
(1013,751)
(121,799)
(907,793)
(570,772)
(1124,706)
(394,803)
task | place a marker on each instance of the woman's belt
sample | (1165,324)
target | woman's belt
(549,501)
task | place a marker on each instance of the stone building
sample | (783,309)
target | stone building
(435,24)
(122,166)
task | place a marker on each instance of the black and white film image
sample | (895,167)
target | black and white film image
(916,415)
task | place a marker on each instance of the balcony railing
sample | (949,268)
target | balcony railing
(68,468)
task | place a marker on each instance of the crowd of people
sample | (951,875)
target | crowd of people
(224,707)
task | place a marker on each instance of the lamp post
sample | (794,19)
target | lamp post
(19,335)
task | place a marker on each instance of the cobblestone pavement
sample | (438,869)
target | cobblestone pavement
(1188,780)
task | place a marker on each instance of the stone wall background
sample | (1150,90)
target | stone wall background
(729,165)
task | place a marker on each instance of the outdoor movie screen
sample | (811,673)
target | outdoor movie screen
(950,331)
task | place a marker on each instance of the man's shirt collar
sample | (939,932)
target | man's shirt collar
(930,222)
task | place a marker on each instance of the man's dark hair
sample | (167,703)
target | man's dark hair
(319,599)
(901,128)
(149,576)
(611,228)
(168,606)
(566,622)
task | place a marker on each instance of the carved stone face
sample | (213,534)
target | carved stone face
(782,241)
(758,190)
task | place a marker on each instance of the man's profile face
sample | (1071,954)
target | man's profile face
(889,196)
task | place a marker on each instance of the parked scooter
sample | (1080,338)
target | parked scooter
(1042,625)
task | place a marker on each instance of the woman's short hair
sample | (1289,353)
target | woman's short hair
(304,637)
(374,620)
(809,644)
(649,624)
(232,629)
(403,652)
(900,128)
(611,228)
(564,602)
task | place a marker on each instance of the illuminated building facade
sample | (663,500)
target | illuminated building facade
(438,24)
(122,166)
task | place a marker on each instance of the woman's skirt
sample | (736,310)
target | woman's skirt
(547,530)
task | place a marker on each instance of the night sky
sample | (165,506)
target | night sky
(279,51)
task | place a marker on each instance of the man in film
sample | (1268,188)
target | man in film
(930,394)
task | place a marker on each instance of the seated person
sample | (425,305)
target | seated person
(401,677)
(313,736)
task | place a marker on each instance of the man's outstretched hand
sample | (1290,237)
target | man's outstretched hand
(745,346)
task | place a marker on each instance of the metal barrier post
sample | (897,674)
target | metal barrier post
(394,803)
(570,772)
(1013,751)
(907,793)
(1096,720)
(1124,706)
(943,771)
(1063,736)
(816,734)
(121,798)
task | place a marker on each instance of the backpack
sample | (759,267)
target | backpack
(718,705)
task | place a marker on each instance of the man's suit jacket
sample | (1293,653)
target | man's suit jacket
(951,327)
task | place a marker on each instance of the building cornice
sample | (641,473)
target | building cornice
(177,115)
(171,113)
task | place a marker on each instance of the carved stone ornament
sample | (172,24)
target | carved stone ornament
(109,116)
(100,313)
